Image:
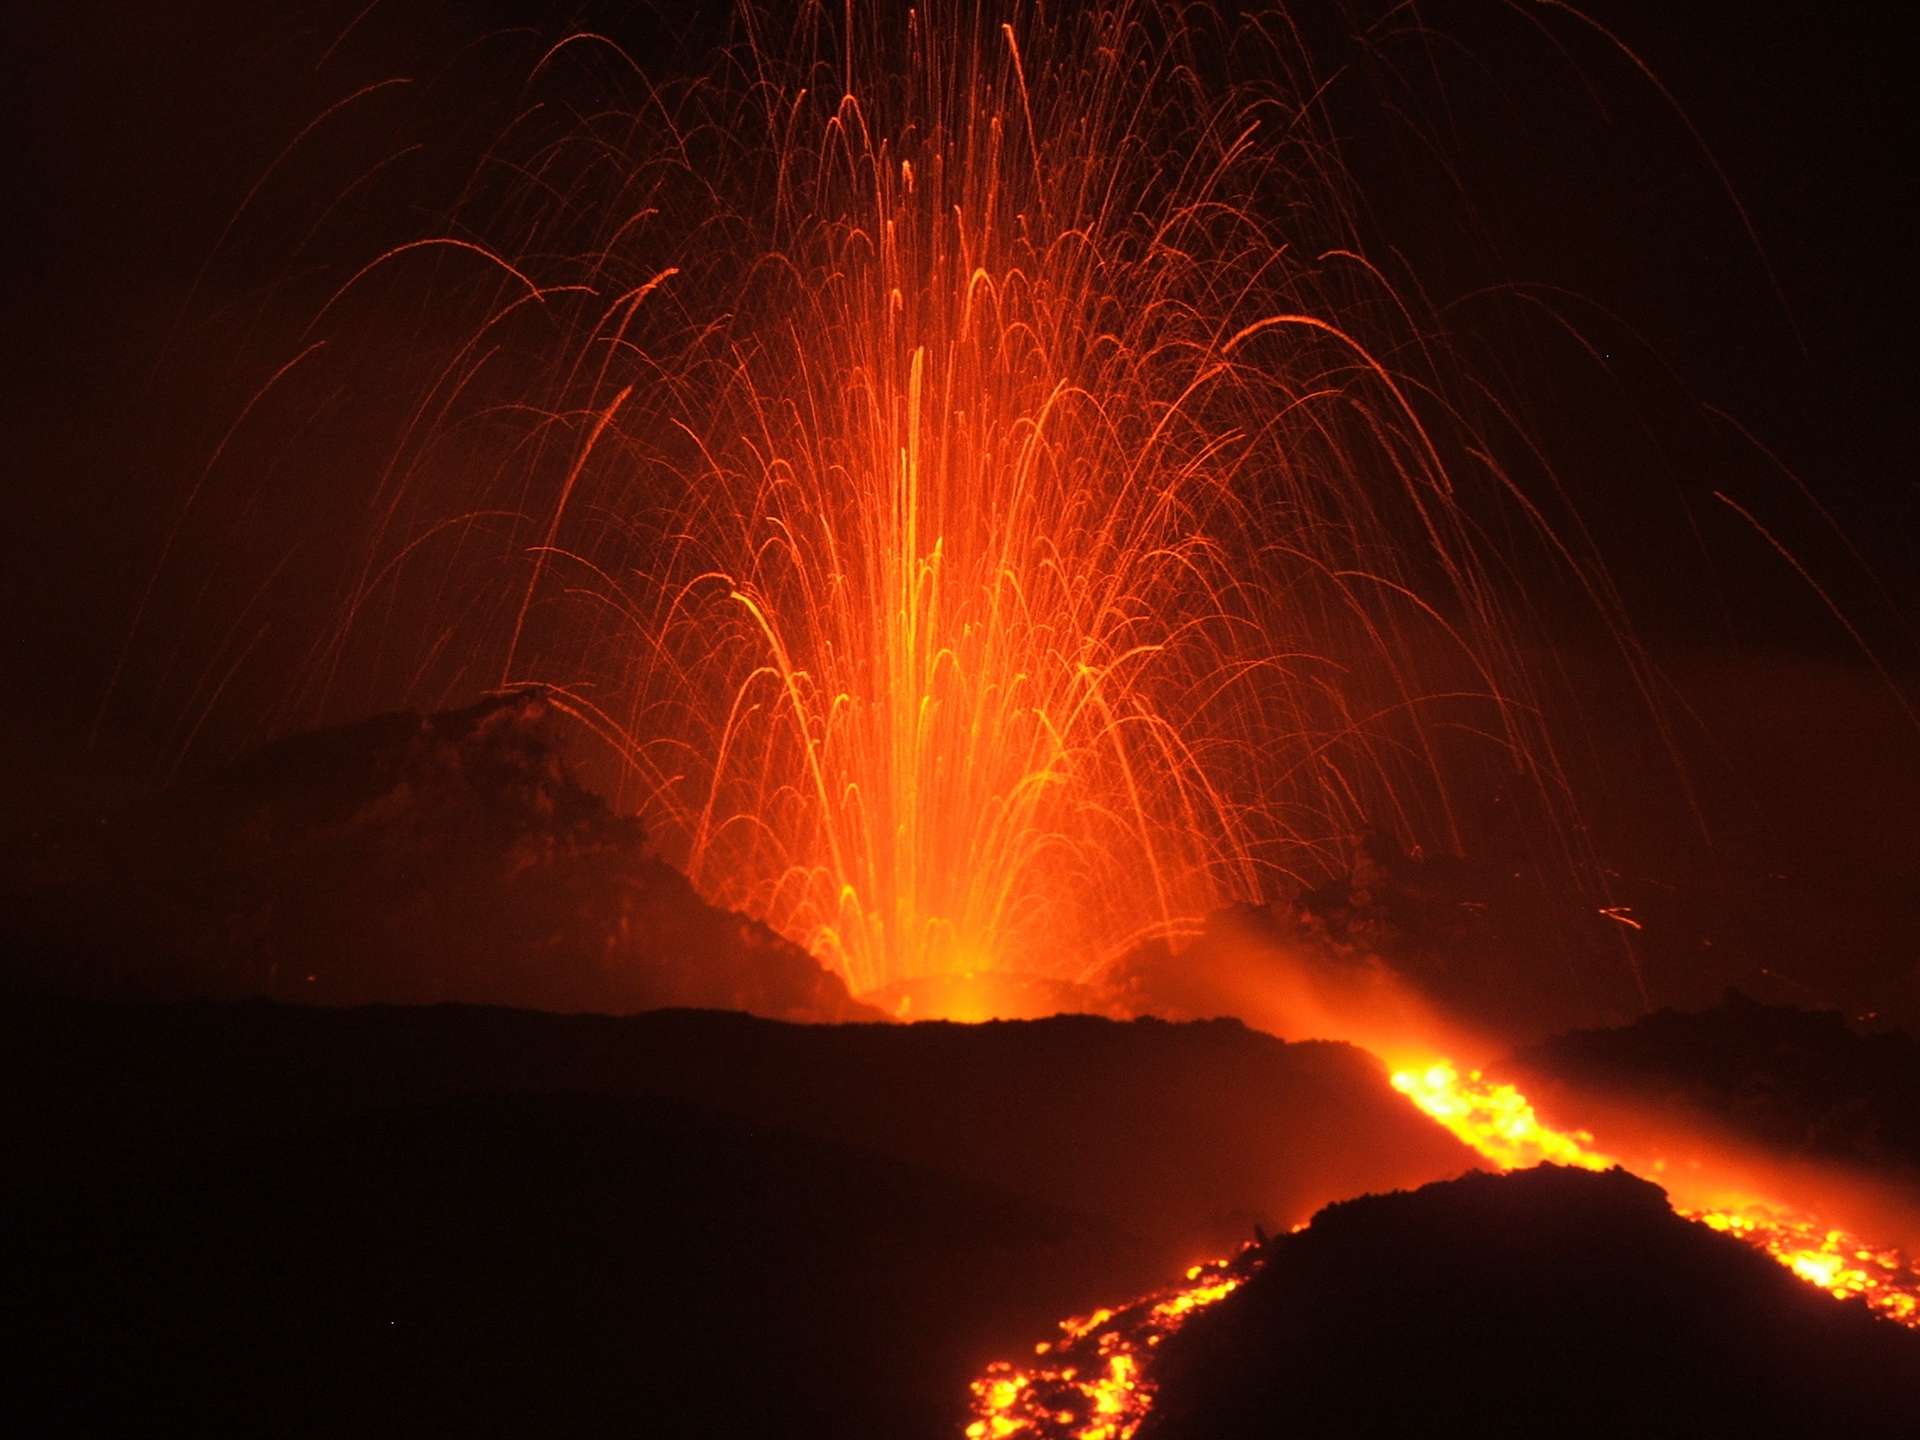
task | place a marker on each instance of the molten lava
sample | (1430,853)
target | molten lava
(968,465)
(1497,1121)
(1095,1383)
(1051,551)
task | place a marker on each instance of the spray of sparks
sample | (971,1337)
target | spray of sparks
(966,466)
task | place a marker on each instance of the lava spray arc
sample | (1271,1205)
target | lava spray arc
(966,466)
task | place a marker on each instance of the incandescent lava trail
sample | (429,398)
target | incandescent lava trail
(1095,1381)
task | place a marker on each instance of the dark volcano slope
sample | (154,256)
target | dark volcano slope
(519,1265)
(1183,1135)
(247,1217)
(1546,1302)
(1795,1080)
(407,859)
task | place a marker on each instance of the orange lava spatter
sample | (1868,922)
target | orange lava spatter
(979,485)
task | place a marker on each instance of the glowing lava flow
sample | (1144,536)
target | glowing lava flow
(1092,1383)
(1497,1122)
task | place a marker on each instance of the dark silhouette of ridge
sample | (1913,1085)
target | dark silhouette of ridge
(1797,1080)
(533,1264)
(406,859)
(1547,1302)
(253,1217)
(1184,1135)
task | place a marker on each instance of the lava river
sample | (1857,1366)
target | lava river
(1095,1383)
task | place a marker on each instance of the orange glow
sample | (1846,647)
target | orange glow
(971,996)
(1833,1260)
(1092,1384)
(1497,1122)
(971,470)
(1049,550)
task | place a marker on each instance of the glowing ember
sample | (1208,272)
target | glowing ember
(1496,1121)
(1092,1384)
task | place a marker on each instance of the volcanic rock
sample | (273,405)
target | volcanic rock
(1796,1080)
(406,859)
(522,1264)
(1468,936)
(1545,1302)
(252,1218)
(1183,1135)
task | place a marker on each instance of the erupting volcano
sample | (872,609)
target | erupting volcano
(807,684)
(971,468)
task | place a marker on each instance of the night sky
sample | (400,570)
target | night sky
(137,329)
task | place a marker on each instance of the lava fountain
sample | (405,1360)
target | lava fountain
(965,465)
